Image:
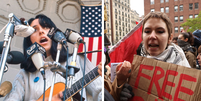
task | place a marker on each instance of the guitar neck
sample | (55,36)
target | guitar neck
(77,86)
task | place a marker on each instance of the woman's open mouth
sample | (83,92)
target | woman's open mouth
(43,41)
(153,45)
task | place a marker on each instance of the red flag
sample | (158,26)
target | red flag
(126,47)
(136,22)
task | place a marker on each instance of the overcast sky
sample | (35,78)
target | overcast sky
(137,5)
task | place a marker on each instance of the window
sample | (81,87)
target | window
(175,0)
(152,10)
(152,2)
(190,16)
(115,4)
(176,8)
(166,0)
(176,29)
(167,9)
(181,7)
(116,28)
(196,15)
(196,5)
(162,9)
(162,1)
(181,18)
(176,19)
(191,6)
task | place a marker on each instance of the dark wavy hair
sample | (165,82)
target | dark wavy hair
(44,21)
(189,36)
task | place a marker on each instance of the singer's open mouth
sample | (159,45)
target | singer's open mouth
(43,40)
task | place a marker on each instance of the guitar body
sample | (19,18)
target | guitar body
(75,88)
(58,87)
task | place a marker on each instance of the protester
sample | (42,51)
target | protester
(28,84)
(157,37)
(199,56)
(174,40)
(197,38)
(185,41)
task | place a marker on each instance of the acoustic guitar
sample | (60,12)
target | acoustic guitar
(75,88)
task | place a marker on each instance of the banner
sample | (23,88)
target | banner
(154,80)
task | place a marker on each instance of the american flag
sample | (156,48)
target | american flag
(90,30)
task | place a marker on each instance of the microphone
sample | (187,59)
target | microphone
(36,52)
(73,36)
(70,36)
(5,88)
(22,28)
(23,31)
(57,35)
(15,57)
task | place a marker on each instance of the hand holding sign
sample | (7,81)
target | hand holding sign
(123,71)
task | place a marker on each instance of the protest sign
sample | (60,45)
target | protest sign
(154,80)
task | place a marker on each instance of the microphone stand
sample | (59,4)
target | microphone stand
(9,33)
(72,67)
(59,47)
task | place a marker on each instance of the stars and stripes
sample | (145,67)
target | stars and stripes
(91,32)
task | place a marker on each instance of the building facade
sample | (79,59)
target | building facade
(177,10)
(120,19)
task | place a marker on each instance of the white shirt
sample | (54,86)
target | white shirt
(25,89)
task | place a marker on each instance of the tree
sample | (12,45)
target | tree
(192,24)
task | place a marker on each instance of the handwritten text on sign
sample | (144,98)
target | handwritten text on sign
(161,90)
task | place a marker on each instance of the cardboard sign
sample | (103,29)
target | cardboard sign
(154,80)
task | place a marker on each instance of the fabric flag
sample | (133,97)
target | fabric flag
(127,46)
(90,30)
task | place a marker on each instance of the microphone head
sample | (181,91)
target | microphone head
(73,36)
(59,36)
(34,48)
(37,59)
(17,57)
(36,52)
(23,30)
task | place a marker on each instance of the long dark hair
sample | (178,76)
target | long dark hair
(45,22)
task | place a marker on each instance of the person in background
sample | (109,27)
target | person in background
(174,40)
(156,44)
(185,41)
(197,41)
(28,84)
(197,38)
(199,56)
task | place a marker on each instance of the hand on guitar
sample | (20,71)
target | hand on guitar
(123,71)
(100,68)
(56,97)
